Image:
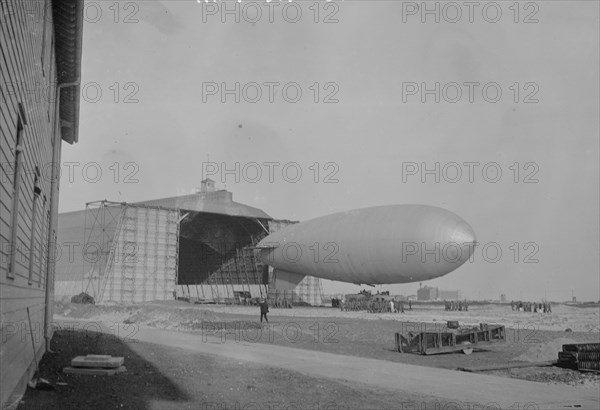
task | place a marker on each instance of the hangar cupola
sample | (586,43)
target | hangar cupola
(206,185)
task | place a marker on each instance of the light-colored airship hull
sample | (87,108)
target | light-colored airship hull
(378,245)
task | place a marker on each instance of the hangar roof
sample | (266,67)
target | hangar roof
(217,202)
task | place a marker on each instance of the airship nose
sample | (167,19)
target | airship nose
(463,233)
(464,238)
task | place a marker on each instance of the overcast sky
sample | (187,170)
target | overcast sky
(367,119)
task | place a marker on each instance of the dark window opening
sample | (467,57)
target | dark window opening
(32,235)
(14,226)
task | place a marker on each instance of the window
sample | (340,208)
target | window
(52,83)
(44,244)
(44,16)
(34,212)
(17,170)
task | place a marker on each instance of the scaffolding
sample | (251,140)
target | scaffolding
(239,277)
(309,291)
(101,221)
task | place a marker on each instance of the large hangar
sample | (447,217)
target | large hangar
(198,246)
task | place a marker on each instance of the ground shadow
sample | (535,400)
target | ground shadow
(136,388)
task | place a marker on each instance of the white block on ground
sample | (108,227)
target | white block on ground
(94,371)
(97,361)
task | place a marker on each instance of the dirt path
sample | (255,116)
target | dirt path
(446,384)
(167,378)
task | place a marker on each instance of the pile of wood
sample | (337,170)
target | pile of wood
(96,364)
(580,356)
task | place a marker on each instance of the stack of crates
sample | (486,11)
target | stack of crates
(580,356)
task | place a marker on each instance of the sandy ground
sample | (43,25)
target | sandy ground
(561,318)
(531,337)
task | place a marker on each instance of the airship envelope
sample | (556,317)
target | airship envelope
(378,245)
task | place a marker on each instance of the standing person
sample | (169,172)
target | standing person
(409,304)
(392,310)
(264,309)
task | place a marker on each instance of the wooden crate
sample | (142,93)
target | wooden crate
(443,342)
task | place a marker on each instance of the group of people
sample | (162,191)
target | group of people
(374,306)
(456,305)
(398,306)
(542,307)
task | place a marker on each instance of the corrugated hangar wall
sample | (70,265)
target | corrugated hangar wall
(142,265)
(130,253)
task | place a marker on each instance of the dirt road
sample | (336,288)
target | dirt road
(462,388)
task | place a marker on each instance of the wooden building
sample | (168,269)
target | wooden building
(40,65)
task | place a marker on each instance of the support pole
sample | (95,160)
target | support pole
(53,223)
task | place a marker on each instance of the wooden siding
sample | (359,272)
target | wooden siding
(26,39)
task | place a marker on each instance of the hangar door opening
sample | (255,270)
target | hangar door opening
(216,257)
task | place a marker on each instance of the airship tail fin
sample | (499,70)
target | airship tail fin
(286,280)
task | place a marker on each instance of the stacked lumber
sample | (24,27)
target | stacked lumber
(96,364)
(580,356)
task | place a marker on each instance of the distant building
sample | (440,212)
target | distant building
(448,294)
(427,293)
(431,293)
(503,298)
